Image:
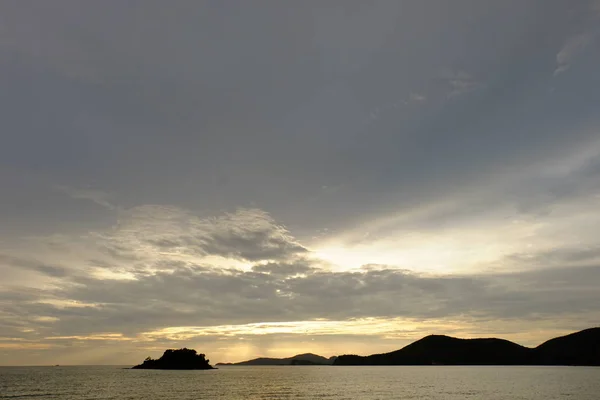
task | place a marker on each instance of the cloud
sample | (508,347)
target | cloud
(418,97)
(193,295)
(573,47)
(394,107)
(33,265)
(245,235)
(561,257)
(249,235)
(299,267)
(576,44)
(245,260)
(189,306)
(145,288)
(459,82)
(96,196)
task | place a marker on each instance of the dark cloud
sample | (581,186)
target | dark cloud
(299,267)
(555,258)
(33,265)
(250,235)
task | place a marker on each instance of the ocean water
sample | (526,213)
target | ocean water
(302,382)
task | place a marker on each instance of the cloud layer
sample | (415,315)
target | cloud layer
(163,274)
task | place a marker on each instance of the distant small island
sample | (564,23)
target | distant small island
(177,359)
(299,359)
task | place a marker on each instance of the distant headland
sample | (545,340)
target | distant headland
(299,359)
(580,348)
(177,359)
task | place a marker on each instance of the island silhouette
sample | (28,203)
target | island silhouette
(579,348)
(177,359)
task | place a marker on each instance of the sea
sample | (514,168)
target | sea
(301,382)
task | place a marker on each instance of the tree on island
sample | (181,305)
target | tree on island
(177,359)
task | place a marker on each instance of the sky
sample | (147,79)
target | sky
(269,178)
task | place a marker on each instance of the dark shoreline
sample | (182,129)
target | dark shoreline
(577,349)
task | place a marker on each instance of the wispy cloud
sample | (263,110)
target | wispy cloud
(570,50)
(576,44)
(414,98)
(33,265)
(460,82)
(418,97)
(94,195)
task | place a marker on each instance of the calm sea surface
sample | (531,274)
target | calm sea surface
(303,382)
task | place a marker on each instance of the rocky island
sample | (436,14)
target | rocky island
(177,359)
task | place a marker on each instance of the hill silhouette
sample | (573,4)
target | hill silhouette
(580,348)
(177,359)
(298,359)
